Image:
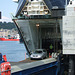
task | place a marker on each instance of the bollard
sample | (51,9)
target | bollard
(50,56)
(25,55)
(4,57)
(0,57)
(5,68)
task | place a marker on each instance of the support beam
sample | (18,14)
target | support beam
(71,65)
(0,14)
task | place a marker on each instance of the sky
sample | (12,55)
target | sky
(7,7)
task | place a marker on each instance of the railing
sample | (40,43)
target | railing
(5,71)
(5,68)
(34,17)
(20,6)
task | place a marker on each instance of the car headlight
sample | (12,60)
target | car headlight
(31,56)
(39,56)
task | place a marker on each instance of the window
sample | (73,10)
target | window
(44,50)
(41,3)
(38,51)
(38,12)
(33,12)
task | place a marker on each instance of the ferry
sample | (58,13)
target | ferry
(42,23)
(10,39)
(15,38)
(39,23)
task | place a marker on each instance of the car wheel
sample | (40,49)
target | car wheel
(31,58)
(46,56)
(42,58)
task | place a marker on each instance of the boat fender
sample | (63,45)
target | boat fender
(4,58)
(5,68)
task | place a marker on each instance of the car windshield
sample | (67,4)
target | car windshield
(38,51)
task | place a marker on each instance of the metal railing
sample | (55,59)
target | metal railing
(34,17)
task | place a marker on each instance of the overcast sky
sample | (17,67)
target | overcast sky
(7,7)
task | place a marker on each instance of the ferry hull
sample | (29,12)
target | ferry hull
(3,39)
(43,67)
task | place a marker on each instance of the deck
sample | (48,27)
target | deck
(32,66)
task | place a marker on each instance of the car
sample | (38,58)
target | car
(39,54)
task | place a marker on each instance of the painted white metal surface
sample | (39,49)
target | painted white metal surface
(68,29)
(36,7)
(69,35)
(71,10)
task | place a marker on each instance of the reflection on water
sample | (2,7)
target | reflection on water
(14,50)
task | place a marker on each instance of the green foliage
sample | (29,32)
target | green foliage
(8,25)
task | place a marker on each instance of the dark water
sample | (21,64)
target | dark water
(14,50)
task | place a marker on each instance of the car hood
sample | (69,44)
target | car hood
(37,54)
